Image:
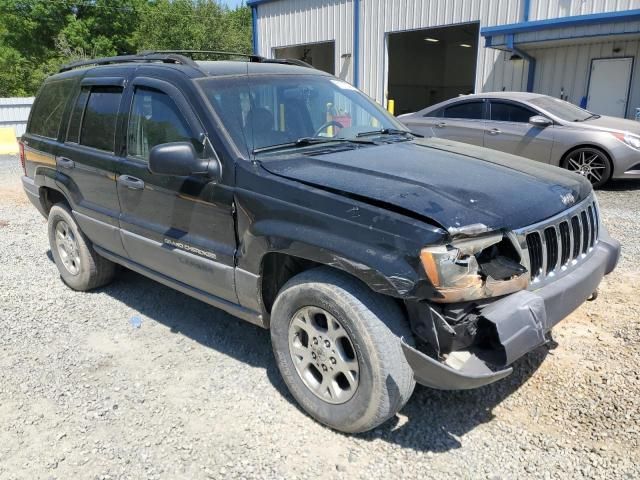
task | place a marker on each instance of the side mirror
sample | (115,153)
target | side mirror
(180,159)
(540,121)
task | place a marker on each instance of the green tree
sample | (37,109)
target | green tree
(37,36)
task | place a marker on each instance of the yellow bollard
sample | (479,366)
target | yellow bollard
(329,119)
(391,106)
(8,142)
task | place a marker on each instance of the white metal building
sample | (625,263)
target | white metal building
(419,52)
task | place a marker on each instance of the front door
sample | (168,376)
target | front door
(181,227)
(609,86)
(508,130)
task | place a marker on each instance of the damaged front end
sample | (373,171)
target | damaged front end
(486,314)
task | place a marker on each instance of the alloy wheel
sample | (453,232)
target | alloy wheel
(323,355)
(589,163)
(68,248)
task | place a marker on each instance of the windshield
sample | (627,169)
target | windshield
(281,110)
(561,109)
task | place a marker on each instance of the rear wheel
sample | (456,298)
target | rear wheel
(337,345)
(590,163)
(80,266)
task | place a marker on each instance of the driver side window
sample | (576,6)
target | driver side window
(154,119)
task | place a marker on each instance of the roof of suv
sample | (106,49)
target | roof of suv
(177,60)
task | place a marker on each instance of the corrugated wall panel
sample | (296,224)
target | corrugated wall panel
(566,68)
(289,23)
(14,112)
(381,17)
(544,9)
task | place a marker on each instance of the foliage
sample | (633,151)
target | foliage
(37,36)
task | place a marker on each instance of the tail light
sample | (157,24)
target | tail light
(22,158)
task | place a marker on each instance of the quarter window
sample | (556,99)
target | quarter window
(100,117)
(466,110)
(508,112)
(154,120)
(49,108)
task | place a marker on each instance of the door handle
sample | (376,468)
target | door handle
(64,162)
(441,124)
(494,131)
(130,182)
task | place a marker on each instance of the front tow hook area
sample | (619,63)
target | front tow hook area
(472,373)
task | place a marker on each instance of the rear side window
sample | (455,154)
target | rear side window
(508,112)
(49,108)
(436,113)
(155,119)
(73,132)
(466,110)
(100,116)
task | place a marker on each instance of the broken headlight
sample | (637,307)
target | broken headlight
(474,268)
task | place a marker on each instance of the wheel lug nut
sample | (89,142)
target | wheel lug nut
(333,360)
(315,341)
(324,367)
(327,344)
(313,355)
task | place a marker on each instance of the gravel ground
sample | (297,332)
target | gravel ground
(194,392)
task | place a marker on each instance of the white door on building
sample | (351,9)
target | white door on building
(609,86)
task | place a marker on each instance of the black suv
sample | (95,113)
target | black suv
(286,197)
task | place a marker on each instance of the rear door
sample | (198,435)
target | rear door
(508,130)
(462,121)
(87,160)
(181,227)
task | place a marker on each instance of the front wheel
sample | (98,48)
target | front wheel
(337,345)
(590,163)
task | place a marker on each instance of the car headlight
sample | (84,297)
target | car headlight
(474,268)
(630,139)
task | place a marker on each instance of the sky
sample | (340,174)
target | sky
(232,3)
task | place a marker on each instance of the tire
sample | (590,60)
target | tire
(80,266)
(372,324)
(589,162)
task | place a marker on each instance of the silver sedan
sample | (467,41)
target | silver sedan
(538,127)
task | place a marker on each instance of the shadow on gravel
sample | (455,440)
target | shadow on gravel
(435,418)
(621,186)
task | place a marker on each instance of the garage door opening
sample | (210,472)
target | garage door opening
(319,55)
(432,65)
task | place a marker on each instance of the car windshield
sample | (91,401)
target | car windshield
(561,109)
(272,112)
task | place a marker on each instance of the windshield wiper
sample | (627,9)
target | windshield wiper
(305,141)
(388,131)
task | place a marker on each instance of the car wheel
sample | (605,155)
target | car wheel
(590,163)
(80,266)
(337,345)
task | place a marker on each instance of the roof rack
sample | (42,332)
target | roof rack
(182,57)
(250,56)
(141,57)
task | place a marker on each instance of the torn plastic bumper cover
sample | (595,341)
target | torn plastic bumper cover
(520,321)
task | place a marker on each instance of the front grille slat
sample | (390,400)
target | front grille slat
(559,244)
(585,231)
(565,242)
(551,244)
(534,244)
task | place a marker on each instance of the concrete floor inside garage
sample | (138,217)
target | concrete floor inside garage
(431,65)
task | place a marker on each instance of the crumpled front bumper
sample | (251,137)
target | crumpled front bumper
(521,321)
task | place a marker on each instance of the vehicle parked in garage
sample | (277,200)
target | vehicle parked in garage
(538,127)
(288,198)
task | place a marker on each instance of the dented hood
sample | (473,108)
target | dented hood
(447,183)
